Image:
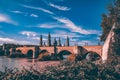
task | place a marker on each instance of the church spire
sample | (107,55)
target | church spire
(55,42)
(41,41)
(67,41)
(49,39)
(59,42)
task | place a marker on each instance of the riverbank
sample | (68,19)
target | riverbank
(81,70)
(59,70)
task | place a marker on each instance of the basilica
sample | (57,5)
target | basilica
(55,42)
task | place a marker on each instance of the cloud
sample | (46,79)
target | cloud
(9,40)
(6,39)
(28,33)
(34,15)
(38,38)
(17,12)
(50,25)
(74,28)
(73,40)
(68,25)
(83,42)
(24,13)
(98,38)
(63,8)
(64,34)
(33,37)
(37,8)
(6,19)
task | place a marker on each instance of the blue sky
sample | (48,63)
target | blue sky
(22,21)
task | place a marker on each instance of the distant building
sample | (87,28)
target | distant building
(49,39)
(59,42)
(67,41)
(41,40)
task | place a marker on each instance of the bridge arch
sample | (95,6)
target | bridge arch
(64,54)
(30,53)
(92,56)
(42,52)
(19,51)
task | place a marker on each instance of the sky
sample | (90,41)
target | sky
(23,21)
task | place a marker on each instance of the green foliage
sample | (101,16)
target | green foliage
(106,26)
(18,56)
(116,43)
(107,23)
(109,19)
(81,70)
(48,57)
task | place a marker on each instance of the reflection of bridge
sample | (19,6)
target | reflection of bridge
(71,49)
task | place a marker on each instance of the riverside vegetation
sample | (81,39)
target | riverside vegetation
(79,70)
(74,70)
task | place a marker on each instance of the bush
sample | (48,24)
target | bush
(18,56)
(81,70)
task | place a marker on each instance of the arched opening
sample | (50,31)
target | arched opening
(92,56)
(42,52)
(44,55)
(18,54)
(19,51)
(64,54)
(30,53)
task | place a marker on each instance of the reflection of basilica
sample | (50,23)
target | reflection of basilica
(56,43)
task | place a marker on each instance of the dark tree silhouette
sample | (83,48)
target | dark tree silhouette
(107,22)
(30,53)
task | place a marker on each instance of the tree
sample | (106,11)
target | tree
(107,22)
(116,42)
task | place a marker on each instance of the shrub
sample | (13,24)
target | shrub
(17,55)
(66,70)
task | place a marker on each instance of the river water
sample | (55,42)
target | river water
(23,62)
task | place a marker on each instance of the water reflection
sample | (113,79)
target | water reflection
(23,62)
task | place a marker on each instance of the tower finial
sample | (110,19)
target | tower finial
(59,42)
(67,41)
(49,39)
(41,41)
(55,42)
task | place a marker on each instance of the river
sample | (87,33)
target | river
(23,62)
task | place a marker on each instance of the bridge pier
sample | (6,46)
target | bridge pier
(36,51)
(72,49)
(76,51)
(13,51)
(33,56)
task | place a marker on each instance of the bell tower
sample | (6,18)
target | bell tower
(59,42)
(49,39)
(41,41)
(67,41)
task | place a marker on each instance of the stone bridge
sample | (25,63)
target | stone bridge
(96,49)
(71,49)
